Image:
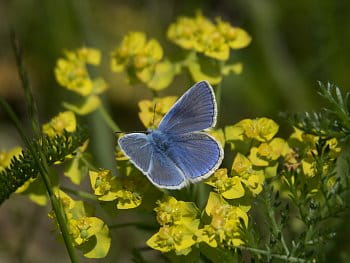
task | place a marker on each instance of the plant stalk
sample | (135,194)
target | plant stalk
(267,253)
(108,119)
(37,150)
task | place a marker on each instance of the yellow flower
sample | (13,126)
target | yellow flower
(261,129)
(179,226)
(202,35)
(306,144)
(131,45)
(235,37)
(186,31)
(126,191)
(228,187)
(179,238)
(268,151)
(137,52)
(104,184)
(214,45)
(63,121)
(173,212)
(161,107)
(142,61)
(253,179)
(84,227)
(71,72)
(225,223)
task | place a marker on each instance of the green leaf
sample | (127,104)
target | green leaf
(271,170)
(76,169)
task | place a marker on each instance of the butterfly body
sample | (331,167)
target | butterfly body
(178,152)
(160,141)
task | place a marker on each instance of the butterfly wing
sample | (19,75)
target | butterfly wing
(197,155)
(194,111)
(152,162)
(164,173)
(138,148)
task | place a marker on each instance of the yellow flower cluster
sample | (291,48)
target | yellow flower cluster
(179,226)
(64,121)
(127,192)
(72,73)
(224,228)
(90,234)
(306,145)
(137,51)
(142,59)
(256,157)
(212,39)
(256,138)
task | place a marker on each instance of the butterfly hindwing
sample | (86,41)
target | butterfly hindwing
(194,111)
(197,154)
(164,173)
(138,148)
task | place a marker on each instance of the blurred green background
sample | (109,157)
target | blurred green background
(295,43)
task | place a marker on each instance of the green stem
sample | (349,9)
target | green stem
(88,164)
(44,172)
(108,119)
(57,207)
(277,230)
(267,253)
(79,193)
(37,150)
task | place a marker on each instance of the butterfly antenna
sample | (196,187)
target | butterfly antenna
(154,113)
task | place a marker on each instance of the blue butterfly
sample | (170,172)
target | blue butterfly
(178,152)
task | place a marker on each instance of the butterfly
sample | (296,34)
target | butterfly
(179,152)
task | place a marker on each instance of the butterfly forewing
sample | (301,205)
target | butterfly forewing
(138,148)
(194,111)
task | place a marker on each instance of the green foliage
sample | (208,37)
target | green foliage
(24,167)
(330,122)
